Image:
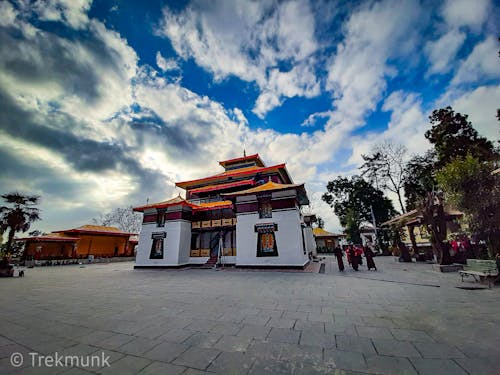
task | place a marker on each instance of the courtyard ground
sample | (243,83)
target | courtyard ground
(402,319)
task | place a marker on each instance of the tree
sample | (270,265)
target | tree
(431,209)
(469,186)
(352,201)
(124,218)
(319,222)
(18,215)
(453,136)
(385,168)
(419,178)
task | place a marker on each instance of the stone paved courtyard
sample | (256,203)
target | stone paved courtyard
(402,319)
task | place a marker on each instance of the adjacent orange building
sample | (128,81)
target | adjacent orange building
(99,241)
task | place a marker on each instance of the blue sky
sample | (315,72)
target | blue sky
(105,104)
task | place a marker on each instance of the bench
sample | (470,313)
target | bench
(480,269)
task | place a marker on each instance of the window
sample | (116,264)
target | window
(265,208)
(157,245)
(266,240)
(160,219)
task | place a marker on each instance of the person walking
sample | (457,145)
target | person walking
(370,263)
(353,257)
(338,254)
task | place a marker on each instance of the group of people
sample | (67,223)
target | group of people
(354,257)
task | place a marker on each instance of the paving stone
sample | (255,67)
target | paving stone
(138,346)
(264,367)
(284,335)
(301,354)
(281,323)
(256,320)
(430,366)
(305,325)
(234,363)
(126,365)
(378,364)
(437,350)
(482,366)
(410,335)
(318,317)
(233,343)
(95,337)
(295,315)
(355,344)
(374,332)
(176,335)
(193,371)
(265,349)
(198,358)
(115,341)
(166,351)
(334,328)
(226,328)
(255,331)
(160,368)
(345,360)
(202,340)
(312,338)
(201,325)
(395,348)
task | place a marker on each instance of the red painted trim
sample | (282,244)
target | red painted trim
(247,207)
(94,232)
(283,203)
(149,218)
(221,186)
(164,205)
(196,209)
(235,160)
(49,239)
(226,175)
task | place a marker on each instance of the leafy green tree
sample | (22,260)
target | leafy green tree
(470,186)
(18,215)
(453,136)
(352,200)
(419,178)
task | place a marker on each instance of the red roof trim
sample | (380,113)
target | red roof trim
(103,232)
(201,208)
(226,175)
(161,205)
(49,239)
(222,186)
(235,160)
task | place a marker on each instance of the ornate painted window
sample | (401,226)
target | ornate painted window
(157,245)
(266,240)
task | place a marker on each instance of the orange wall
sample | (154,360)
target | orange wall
(49,249)
(100,245)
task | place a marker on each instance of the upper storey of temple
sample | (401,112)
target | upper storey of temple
(239,174)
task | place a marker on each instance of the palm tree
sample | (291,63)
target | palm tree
(19,215)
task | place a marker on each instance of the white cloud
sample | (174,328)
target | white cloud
(357,73)
(481,105)
(71,12)
(442,51)
(473,14)
(482,64)
(250,40)
(166,64)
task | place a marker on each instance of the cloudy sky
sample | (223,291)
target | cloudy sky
(104,104)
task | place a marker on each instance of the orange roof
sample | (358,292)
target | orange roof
(222,186)
(171,202)
(255,157)
(51,237)
(268,186)
(218,205)
(96,229)
(253,170)
(320,232)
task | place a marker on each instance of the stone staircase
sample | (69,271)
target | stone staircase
(210,262)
